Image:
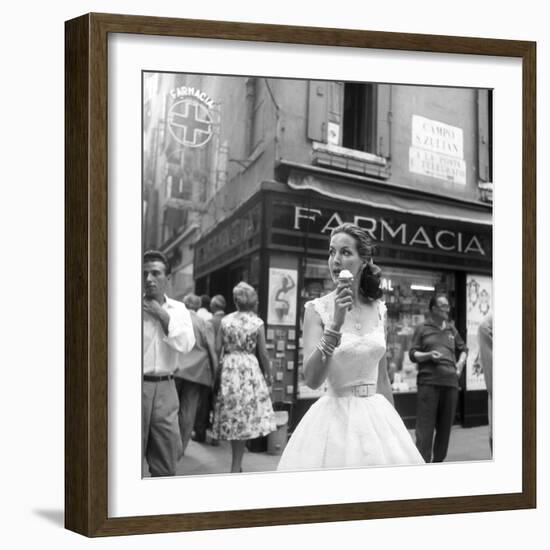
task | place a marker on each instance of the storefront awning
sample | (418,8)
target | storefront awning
(393,198)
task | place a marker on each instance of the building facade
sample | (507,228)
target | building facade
(248,176)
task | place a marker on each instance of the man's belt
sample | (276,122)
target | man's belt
(155,378)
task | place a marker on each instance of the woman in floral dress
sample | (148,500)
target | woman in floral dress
(242,408)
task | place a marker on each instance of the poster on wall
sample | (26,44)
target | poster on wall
(282,296)
(479,294)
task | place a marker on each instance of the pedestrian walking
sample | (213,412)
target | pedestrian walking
(204,309)
(167,334)
(217,307)
(485,336)
(206,401)
(196,370)
(242,408)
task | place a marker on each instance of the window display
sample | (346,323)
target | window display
(407,293)
(317,282)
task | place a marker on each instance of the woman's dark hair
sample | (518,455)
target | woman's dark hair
(371,275)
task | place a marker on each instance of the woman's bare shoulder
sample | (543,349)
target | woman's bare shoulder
(320,308)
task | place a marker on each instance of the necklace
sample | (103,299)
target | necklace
(356,317)
(357,324)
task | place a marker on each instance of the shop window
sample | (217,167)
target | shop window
(178,180)
(316,282)
(187,176)
(407,293)
(359,117)
(349,124)
(254,270)
(174,222)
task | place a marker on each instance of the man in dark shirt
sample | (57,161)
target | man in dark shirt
(206,402)
(196,370)
(435,345)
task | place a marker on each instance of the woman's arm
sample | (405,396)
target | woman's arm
(211,349)
(314,368)
(461,363)
(219,341)
(383,385)
(485,336)
(315,361)
(263,356)
(460,347)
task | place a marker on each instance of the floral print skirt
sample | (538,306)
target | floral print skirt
(242,408)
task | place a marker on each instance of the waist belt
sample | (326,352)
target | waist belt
(360,390)
(155,378)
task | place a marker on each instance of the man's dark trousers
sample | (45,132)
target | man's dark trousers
(436,409)
(202,420)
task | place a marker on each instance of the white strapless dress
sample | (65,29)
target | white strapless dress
(341,430)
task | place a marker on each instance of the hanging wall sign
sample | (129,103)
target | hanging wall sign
(189,119)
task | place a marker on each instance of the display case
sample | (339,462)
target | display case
(407,294)
(316,282)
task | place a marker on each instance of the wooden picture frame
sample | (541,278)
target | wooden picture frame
(86,279)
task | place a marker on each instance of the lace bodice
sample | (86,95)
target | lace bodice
(355,360)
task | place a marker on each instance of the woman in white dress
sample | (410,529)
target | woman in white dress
(355,424)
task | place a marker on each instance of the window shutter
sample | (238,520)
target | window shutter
(483,141)
(335,113)
(383,120)
(317,110)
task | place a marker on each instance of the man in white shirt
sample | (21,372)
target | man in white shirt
(204,310)
(167,332)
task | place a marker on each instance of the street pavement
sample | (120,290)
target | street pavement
(467,444)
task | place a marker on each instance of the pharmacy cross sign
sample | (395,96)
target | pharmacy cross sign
(190,123)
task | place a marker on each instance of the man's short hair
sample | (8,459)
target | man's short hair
(435,297)
(192,301)
(157,256)
(218,303)
(205,301)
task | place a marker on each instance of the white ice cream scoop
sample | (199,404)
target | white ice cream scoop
(345,276)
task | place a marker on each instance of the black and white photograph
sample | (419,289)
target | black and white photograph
(317,274)
(261,253)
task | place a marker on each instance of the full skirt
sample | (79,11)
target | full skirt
(242,407)
(354,432)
